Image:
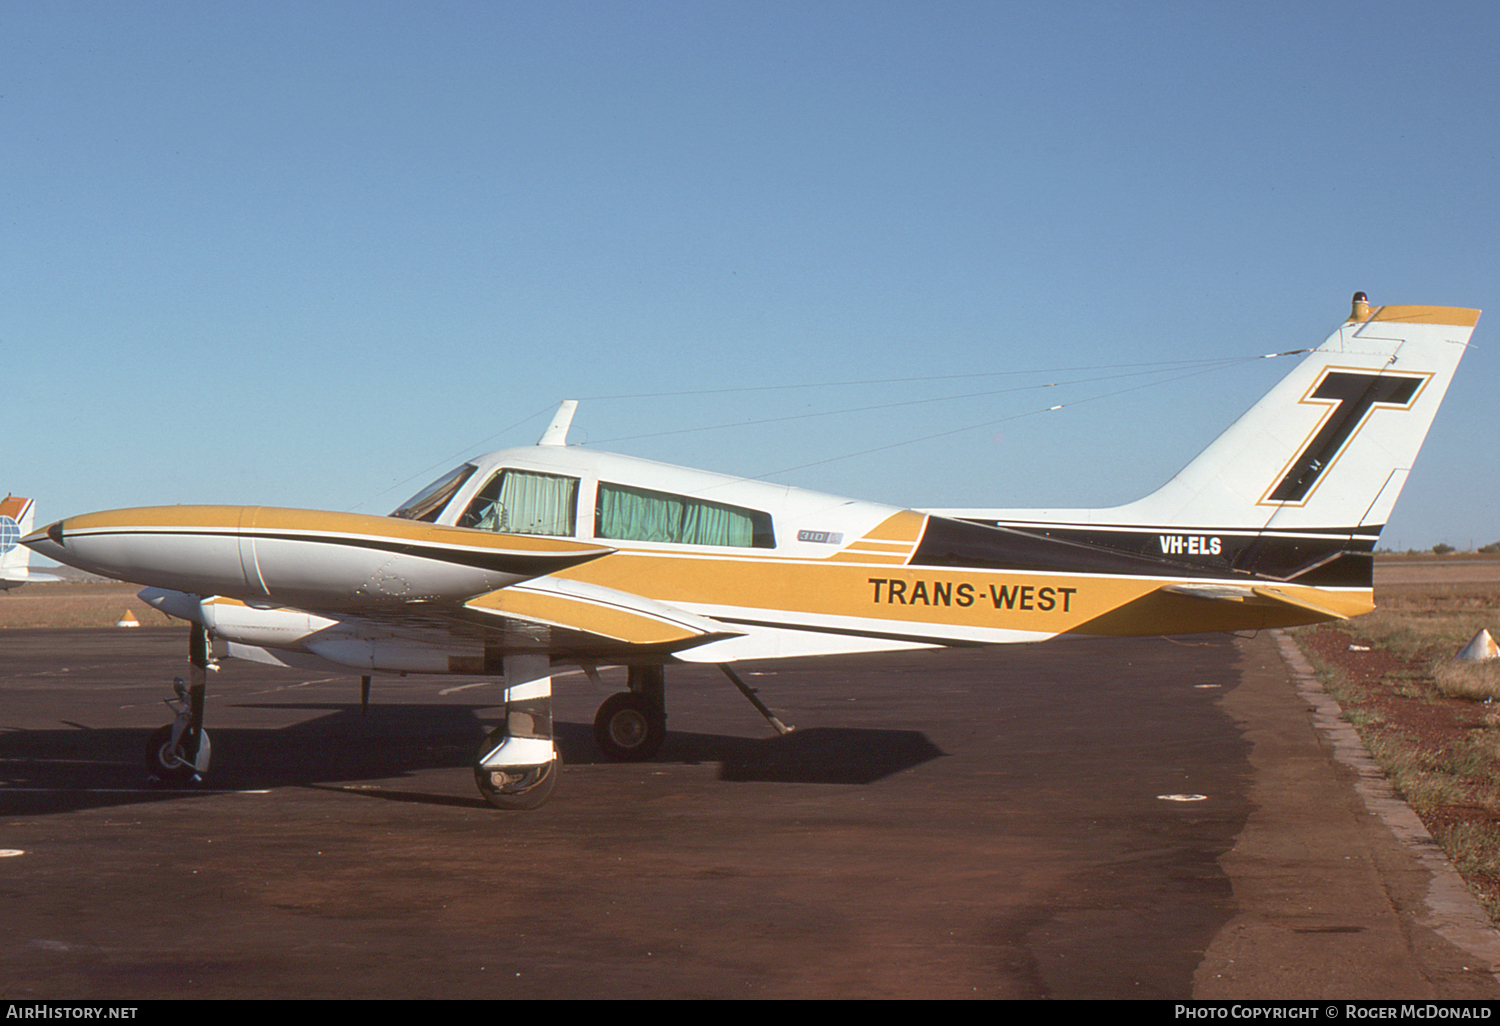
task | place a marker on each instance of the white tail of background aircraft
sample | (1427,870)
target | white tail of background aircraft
(16,515)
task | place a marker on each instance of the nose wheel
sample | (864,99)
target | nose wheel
(177,760)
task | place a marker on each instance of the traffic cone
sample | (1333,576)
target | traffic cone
(1480,648)
(127,620)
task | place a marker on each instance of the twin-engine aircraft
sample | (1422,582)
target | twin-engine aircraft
(528,558)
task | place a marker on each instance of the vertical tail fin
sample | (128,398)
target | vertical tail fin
(1298,489)
(1332,444)
(16,515)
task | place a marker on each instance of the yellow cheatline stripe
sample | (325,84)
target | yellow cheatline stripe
(1456,316)
(265,518)
(270,518)
(960,596)
(905,526)
(156,516)
(564,611)
(1164,612)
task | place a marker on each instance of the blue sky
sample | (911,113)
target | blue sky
(314,254)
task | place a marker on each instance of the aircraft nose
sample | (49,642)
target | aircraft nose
(48,541)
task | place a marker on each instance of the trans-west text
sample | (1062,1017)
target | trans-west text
(1028,597)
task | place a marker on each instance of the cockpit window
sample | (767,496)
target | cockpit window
(523,502)
(429,502)
(636,514)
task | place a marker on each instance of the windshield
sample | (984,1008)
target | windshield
(429,502)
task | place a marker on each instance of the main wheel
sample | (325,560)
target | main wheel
(175,764)
(518,789)
(630,727)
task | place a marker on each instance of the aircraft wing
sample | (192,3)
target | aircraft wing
(596,616)
(565,619)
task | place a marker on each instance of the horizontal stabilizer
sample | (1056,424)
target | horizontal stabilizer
(1252,596)
(604,613)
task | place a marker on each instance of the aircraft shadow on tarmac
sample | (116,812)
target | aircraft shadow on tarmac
(48,771)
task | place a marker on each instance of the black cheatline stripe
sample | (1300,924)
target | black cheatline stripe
(963,544)
(1367,531)
(922,639)
(1329,558)
(503,562)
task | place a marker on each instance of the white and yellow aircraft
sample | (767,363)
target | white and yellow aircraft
(528,558)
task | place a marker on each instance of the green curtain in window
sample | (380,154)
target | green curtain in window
(518,502)
(706,524)
(537,503)
(633,514)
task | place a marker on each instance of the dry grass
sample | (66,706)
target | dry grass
(1441,756)
(1429,621)
(1474,849)
(75,605)
(1477,682)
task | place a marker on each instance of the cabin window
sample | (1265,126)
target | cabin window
(523,502)
(429,502)
(635,514)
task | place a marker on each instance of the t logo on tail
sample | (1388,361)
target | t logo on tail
(1351,396)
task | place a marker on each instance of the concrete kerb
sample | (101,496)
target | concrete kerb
(1452,910)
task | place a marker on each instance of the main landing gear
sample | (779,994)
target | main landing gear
(518,765)
(631,726)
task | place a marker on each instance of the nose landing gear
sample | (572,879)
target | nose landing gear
(179,752)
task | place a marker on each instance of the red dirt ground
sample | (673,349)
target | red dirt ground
(1401,694)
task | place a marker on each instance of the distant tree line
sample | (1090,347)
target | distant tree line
(1443,549)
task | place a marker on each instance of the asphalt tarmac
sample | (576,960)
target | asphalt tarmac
(1152,818)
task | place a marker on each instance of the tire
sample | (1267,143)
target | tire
(174,767)
(630,727)
(515,790)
